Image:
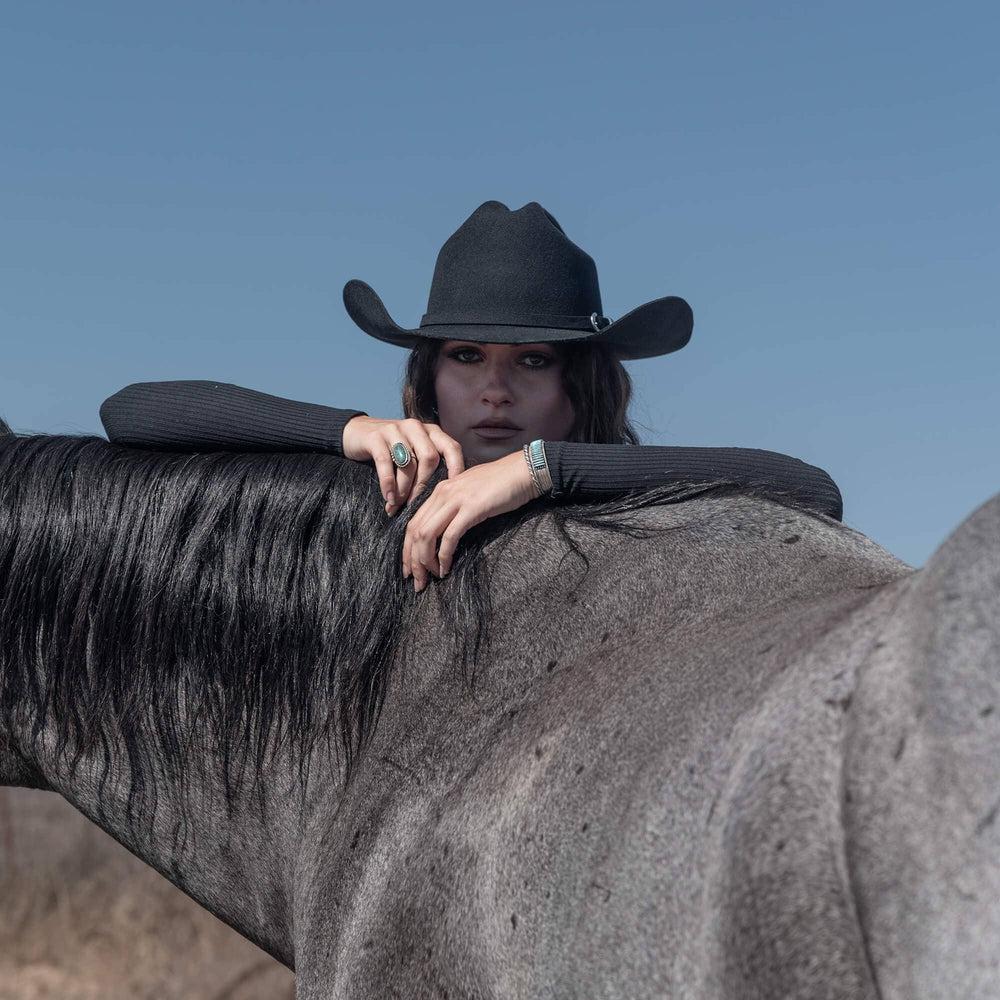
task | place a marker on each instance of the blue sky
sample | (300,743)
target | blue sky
(185,188)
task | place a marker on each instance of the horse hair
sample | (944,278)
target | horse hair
(255,597)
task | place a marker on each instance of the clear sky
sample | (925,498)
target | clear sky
(185,188)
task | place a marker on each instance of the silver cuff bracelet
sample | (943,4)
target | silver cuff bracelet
(534,455)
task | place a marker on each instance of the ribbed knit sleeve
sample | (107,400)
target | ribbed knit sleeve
(209,416)
(218,416)
(607,469)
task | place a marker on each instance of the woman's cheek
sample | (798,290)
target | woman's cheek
(558,410)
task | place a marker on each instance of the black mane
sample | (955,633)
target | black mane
(256,597)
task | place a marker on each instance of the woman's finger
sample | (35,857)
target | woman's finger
(448,521)
(420,557)
(449,449)
(450,538)
(404,482)
(426,453)
(412,529)
(386,470)
(412,565)
(395,434)
(407,545)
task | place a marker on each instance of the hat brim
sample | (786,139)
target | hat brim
(658,327)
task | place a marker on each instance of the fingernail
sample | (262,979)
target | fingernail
(390,498)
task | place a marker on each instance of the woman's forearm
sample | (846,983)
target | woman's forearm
(596,470)
(202,415)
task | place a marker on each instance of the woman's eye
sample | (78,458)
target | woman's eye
(537,360)
(463,354)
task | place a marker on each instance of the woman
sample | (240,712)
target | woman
(514,379)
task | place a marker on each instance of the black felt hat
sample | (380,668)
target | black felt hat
(514,277)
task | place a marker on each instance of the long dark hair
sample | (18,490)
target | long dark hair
(596,382)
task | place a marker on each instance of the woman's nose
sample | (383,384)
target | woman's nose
(496,389)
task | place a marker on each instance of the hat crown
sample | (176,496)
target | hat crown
(507,264)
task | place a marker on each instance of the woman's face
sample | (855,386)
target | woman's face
(519,385)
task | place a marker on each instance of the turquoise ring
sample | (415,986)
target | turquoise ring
(401,455)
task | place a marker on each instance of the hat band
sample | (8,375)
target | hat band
(545,320)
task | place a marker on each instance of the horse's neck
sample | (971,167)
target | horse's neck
(237,862)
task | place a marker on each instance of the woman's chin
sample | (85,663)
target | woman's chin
(488,451)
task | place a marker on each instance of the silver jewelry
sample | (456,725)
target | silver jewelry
(534,478)
(534,455)
(401,456)
(599,322)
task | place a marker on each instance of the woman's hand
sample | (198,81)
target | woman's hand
(371,438)
(456,505)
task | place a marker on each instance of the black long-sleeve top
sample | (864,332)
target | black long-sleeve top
(216,416)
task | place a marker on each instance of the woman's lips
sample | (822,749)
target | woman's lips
(497,433)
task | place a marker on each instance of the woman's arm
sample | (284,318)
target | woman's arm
(218,416)
(597,470)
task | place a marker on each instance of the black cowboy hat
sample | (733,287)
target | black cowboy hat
(514,277)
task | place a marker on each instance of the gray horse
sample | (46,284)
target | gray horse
(696,743)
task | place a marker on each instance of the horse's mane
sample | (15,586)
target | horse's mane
(257,598)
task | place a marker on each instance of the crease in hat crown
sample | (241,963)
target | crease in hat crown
(514,276)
